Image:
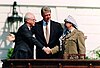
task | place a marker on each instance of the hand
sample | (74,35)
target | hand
(11,37)
(47,50)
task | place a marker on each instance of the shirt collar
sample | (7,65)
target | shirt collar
(29,27)
(44,23)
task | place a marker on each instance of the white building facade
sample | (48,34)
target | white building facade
(86,14)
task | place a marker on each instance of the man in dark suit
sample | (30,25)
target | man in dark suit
(25,41)
(55,30)
(49,39)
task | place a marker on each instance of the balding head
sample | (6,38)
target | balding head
(29,19)
(29,15)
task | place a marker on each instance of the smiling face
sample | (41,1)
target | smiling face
(46,13)
(46,16)
(68,25)
(30,19)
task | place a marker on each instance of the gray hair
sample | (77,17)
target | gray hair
(28,15)
(45,9)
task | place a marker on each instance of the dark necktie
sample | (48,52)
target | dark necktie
(47,33)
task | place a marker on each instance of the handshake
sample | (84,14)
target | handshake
(11,38)
(47,50)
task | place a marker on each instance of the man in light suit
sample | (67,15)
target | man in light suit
(25,41)
(55,30)
(74,41)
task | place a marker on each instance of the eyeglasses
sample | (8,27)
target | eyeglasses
(32,19)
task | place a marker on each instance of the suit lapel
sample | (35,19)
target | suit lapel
(28,29)
(40,29)
(51,31)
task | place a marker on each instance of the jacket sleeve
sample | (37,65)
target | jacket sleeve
(81,44)
(58,46)
(29,38)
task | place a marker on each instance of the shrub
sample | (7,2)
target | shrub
(10,51)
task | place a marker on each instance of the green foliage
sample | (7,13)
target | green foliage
(96,54)
(10,51)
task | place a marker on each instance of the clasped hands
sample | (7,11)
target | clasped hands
(47,50)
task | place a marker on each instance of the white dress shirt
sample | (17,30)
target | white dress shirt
(44,28)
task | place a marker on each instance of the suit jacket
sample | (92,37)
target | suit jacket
(56,31)
(74,43)
(24,43)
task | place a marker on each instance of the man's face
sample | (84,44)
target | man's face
(46,16)
(31,21)
(68,25)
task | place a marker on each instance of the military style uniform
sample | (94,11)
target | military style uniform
(74,44)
